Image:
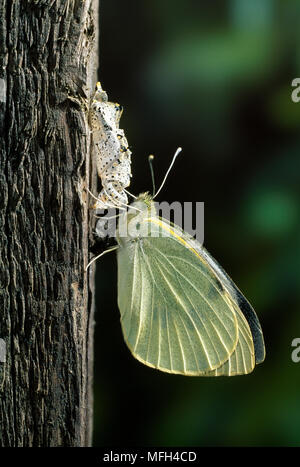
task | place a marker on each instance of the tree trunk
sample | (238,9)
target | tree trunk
(46,312)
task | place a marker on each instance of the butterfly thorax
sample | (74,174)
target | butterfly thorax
(133,224)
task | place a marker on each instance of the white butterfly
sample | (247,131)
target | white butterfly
(180,312)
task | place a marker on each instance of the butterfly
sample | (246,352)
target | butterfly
(180,311)
(113,156)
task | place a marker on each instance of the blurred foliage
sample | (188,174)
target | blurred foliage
(214,78)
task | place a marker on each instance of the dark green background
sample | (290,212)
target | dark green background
(214,78)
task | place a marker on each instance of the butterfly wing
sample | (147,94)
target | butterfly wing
(242,360)
(241,304)
(176,314)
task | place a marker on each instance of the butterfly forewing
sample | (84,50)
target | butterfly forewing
(240,303)
(174,314)
(180,312)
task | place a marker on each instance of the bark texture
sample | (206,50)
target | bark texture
(47,71)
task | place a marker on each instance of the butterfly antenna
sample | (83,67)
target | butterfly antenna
(150,160)
(168,171)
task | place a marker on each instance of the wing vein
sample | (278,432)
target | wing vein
(188,314)
(199,293)
(141,310)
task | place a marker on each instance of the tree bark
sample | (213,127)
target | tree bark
(46,312)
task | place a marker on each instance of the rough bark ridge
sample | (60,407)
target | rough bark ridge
(47,60)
